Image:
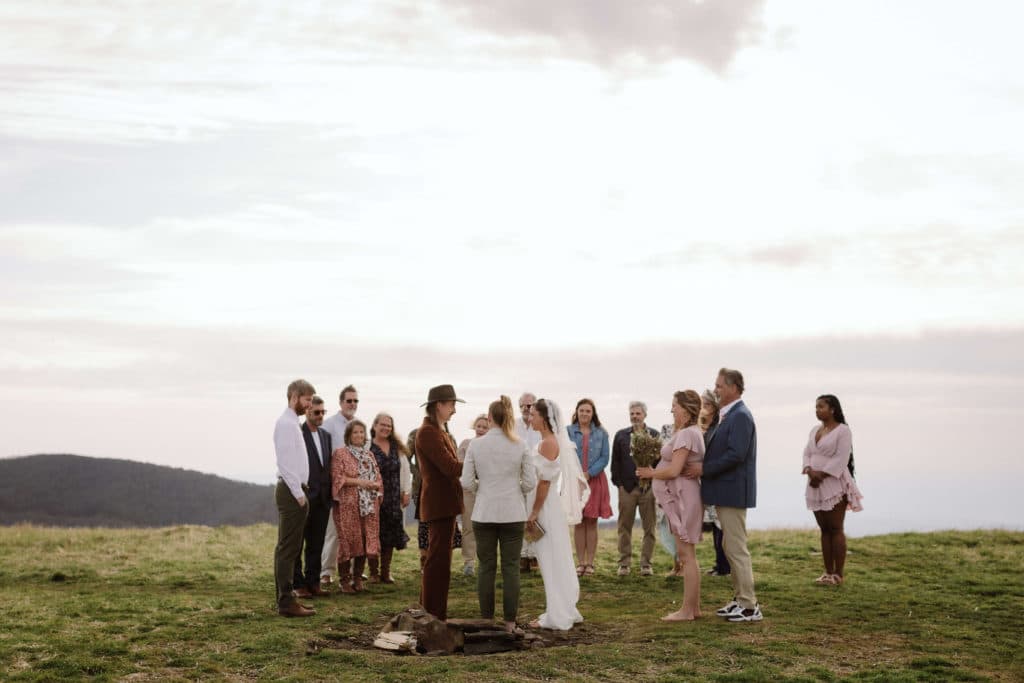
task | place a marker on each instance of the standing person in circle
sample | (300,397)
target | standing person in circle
(679,497)
(499,467)
(440,496)
(480,427)
(356,488)
(709,424)
(592,448)
(551,509)
(348,404)
(392,463)
(831,488)
(633,496)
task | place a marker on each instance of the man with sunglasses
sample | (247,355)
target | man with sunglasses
(318,452)
(348,401)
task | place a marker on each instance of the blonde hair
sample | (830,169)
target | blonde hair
(689,401)
(500,412)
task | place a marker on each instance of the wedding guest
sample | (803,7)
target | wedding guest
(631,496)
(391,457)
(348,402)
(709,424)
(531,437)
(499,468)
(831,488)
(318,451)
(679,497)
(591,441)
(480,427)
(356,491)
(440,496)
(290,496)
(729,483)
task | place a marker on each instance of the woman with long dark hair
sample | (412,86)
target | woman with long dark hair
(831,488)
(592,449)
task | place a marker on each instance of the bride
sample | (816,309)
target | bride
(555,509)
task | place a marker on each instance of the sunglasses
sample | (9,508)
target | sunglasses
(318,412)
(525,406)
(351,400)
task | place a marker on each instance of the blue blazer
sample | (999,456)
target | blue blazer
(597,448)
(730,462)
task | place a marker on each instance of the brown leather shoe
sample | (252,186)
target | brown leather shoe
(319,593)
(294,609)
(302,593)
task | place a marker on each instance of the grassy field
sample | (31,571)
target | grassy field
(191,603)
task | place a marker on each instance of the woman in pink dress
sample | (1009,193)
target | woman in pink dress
(356,487)
(679,497)
(831,488)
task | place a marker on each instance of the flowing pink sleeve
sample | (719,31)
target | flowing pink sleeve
(840,459)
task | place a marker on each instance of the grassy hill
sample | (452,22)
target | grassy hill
(72,490)
(186,603)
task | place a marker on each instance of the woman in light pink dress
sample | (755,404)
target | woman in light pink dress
(679,497)
(831,488)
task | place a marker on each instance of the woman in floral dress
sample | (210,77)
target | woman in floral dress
(356,487)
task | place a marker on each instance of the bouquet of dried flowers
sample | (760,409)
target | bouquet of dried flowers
(645,451)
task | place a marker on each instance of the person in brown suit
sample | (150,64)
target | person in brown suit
(440,496)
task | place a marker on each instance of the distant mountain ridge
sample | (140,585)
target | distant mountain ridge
(74,490)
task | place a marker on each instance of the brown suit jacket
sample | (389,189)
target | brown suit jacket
(440,469)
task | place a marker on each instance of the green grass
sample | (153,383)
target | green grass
(186,603)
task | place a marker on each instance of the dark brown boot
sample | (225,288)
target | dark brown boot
(374,571)
(524,565)
(345,577)
(294,609)
(357,573)
(385,565)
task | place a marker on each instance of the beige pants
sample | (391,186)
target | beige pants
(629,501)
(734,539)
(468,537)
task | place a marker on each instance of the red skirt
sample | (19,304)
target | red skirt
(600,502)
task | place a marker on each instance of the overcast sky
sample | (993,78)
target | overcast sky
(201,201)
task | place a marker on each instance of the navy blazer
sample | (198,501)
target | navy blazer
(730,461)
(623,467)
(319,475)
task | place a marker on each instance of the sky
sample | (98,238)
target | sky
(201,201)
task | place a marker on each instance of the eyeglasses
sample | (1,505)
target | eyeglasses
(525,406)
(351,400)
(318,412)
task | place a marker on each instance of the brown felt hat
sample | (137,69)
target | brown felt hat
(442,392)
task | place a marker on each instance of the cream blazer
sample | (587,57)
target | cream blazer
(501,474)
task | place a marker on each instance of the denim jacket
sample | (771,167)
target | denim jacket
(597,452)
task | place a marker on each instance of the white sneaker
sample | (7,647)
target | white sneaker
(468,569)
(730,608)
(646,571)
(623,571)
(748,614)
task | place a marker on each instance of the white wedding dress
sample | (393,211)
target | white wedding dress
(554,552)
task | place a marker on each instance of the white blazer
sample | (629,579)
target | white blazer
(501,473)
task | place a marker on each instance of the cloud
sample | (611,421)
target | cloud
(610,32)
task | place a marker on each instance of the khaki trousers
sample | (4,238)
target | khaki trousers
(734,538)
(629,501)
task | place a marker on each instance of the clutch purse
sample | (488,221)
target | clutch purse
(533,533)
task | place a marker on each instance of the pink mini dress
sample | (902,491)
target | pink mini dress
(831,454)
(679,498)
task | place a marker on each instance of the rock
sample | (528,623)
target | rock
(472,625)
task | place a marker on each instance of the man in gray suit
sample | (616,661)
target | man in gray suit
(729,482)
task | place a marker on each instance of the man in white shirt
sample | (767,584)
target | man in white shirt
(530,437)
(290,495)
(348,403)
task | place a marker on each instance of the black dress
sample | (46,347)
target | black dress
(392,527)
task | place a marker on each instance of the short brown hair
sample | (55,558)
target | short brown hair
(350,426)
(349,388)
(317,401)
(733,378)
(300,387)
